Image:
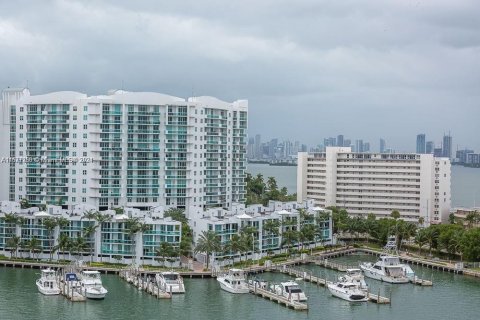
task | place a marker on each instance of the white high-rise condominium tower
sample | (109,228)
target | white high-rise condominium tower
(137,149)
(417,185)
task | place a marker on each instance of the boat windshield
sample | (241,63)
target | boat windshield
(170,276)
(293,289)
(394,271)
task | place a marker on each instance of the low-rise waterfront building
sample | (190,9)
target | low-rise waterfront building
(417,185)
(269,226)
(108,236)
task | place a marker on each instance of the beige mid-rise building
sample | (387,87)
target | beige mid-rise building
(417,185)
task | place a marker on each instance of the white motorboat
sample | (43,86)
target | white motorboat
(47,284)
(388,268)
(290,290)
(234,281)
(170,282)
(347,291)
(91,285)
(356,277)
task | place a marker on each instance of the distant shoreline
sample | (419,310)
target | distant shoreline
(276,164)
(467,165)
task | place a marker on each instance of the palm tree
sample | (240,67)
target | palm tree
(90,215)
(208,242)
(289,238)
(395,214)
(13,243)
(78,245)
(306,234)
(132,227)
(432,237)
(421,221)
(88,232)
(33,246)
(421,238)
(50,224)
(101,219)
(471,219)
(63,243)
(166,251)
(234,246)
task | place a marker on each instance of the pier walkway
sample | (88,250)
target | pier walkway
(144,282)
(289,303)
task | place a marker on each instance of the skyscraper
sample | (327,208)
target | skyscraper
(447,146)
(430,147)
(359,145)
(340,140)
(258,147)
(421,143)
(138,149)
(383,145)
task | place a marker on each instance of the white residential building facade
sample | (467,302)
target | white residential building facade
(135,149)
(417,185)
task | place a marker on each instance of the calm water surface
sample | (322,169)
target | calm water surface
(465,181)
(452,296)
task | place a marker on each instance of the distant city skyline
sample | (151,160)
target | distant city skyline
(365,69)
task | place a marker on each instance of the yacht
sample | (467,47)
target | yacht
(91,285)
(234,281)
(47,284)
(388,268)
(347,291)
(356,277)
(170,282)
(290,290)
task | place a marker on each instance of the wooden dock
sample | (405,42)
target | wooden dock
(144,282)
(309,277)
(332,265)
(266,294)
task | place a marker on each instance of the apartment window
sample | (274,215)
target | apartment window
(74,108)
(84,199)
(84,190)
(74,117)
(74,144)
(74,189)
(85,127)
(85,117)
(84,172)
(84,136)
(84,181)
(74,199)
(21,109)
(85,144)
(85,108)
(74,127)
(74,180)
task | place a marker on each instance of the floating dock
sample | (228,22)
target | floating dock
(145,283)
(307,276)
(266,294)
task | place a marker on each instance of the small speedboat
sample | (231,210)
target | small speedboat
(234,281)
(47,284)
(347,291)
(290,290)
(91,285)
(170,282)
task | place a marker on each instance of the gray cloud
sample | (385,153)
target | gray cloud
(310,69)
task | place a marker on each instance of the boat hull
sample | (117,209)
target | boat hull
(231,289)
(351,297)
(48,291)
(95,294)
(377,276)
(173,288)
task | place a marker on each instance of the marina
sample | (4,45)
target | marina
(204,299)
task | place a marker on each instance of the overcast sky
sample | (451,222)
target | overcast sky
(310,69)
